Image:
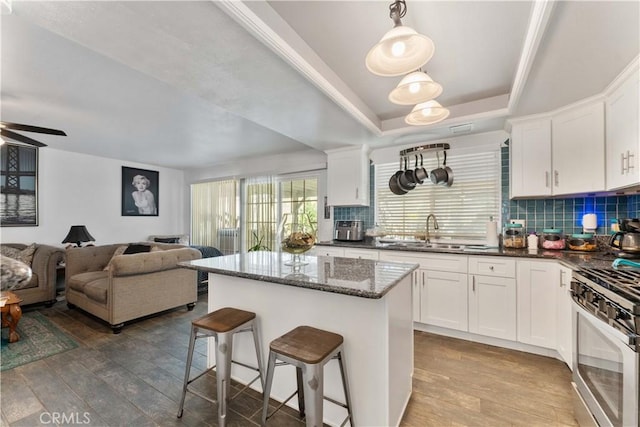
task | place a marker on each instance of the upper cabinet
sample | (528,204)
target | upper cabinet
(348,177)
(577,136)
(622,138)
(558,154)
(530,158)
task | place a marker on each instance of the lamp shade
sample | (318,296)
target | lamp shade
(78,234)
(400,51)
(427,113)
(415,88)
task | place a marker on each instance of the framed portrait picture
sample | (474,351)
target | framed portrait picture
(19,185)
(140,192)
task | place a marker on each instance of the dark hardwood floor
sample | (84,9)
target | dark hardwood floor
(135,379)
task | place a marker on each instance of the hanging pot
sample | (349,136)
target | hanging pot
(407,179)
(442,175)
(449,181)
(394,185)
(421,173)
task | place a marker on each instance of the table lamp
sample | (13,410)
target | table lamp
(78,234)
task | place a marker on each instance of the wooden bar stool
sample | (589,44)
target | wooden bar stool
(308,349)
(221,324)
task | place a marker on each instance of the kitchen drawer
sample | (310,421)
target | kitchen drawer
(492,266)
(327,251)
(453,263)
(361,253)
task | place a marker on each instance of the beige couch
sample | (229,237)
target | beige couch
(134,286)
(42,287)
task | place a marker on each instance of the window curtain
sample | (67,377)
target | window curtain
(214,215)
(260,217)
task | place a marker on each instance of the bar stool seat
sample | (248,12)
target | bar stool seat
(221,324)
(308,349)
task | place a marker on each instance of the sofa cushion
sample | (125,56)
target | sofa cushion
(24,255)
(78,282)
(97,290)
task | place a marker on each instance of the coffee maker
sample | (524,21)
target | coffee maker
(626,242)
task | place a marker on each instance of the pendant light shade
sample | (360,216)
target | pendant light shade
(427,113)
(415,88)
(400,51)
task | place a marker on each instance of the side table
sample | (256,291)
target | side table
(11,313)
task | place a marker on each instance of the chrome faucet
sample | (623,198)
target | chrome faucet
(435,227)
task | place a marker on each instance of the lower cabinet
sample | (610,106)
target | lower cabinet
(492,306)
(327,251)
(538,284)
(443,299)
(564,334)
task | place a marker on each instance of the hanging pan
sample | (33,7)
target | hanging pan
(394,185)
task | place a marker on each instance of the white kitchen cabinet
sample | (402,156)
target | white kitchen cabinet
(577,136)
(492,297)
(361,253)
(348,177)
(558,153)
(444,299)
(538,284)
(530,158)
(564,334)
(327,251)
(622,137)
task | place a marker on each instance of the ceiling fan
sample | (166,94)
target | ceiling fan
(7,130)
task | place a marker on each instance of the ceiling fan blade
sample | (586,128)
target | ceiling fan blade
(21,138)
(29,128)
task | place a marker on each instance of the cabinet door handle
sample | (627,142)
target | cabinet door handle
(622,156)
(491,267)
(423,279)
(357,192)
(630,165)
(562,273)
(555,177)
(473,283)
(546,178)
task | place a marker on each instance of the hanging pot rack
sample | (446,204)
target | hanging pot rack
(422,149)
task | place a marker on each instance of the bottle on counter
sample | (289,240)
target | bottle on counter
(532,241)
(552,238)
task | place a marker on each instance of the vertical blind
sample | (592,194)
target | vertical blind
(260,217)
(462,210)
(214,214)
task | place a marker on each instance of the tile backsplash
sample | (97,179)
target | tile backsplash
(538,213)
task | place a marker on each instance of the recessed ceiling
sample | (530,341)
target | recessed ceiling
(191,84)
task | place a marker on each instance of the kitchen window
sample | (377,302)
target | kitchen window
(462,210)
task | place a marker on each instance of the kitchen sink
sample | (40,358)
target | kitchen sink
(423,245)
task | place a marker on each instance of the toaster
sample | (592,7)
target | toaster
(348,231)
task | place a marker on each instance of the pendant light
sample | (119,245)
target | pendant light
(427,113)
(401,50)
(415,88)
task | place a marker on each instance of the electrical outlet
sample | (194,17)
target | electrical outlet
(522,222)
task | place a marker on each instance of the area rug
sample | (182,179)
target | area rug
(39,338)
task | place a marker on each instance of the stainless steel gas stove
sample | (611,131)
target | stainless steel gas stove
(606,324)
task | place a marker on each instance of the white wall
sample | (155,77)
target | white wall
(81,189)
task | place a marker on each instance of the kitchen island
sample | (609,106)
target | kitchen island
(367,302)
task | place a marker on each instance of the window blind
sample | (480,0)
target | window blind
(462,210)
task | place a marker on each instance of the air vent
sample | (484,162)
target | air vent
(458,129)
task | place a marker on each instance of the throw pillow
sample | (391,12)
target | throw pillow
(167,239)
(24,255)
(136,249)
(119,251)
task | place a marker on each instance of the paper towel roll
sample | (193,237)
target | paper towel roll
(492,234)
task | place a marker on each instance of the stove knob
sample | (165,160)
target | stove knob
(576,288)
(592,297)
(602,306)
(612,312)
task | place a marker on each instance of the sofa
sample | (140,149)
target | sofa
(119,288)
(42,286)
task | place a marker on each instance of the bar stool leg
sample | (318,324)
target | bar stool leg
(345,385)
(313,386)
(192,343)
(224,346)
(256,343)
(271,365)
(299,382)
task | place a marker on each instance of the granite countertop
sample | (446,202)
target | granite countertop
(349,276)
(573,259)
